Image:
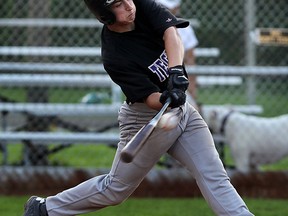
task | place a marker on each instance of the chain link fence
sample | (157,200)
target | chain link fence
(63,38)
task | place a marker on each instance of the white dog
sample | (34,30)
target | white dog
(253,141)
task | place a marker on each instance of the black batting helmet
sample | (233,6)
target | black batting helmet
(100,8)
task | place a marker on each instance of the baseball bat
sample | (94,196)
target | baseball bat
(136,143)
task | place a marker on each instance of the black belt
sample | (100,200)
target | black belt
(137,101)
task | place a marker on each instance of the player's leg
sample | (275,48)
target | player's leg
(123,179)
(196,151)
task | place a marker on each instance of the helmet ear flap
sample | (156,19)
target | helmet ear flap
(100,9)
(107,17)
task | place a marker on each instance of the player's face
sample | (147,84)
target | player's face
(124,11)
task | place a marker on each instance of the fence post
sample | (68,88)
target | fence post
(250,48)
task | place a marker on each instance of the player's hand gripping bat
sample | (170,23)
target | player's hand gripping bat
(136,143)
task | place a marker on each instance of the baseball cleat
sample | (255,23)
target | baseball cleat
(35,206)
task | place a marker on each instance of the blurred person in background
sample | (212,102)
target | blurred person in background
(190,41)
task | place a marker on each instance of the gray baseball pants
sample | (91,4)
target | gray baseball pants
(190,143)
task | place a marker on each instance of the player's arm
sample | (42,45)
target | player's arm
(173,47)
(153,101)
(175,54)
(177,81)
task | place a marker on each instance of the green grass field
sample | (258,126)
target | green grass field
(91,156)
(13,206)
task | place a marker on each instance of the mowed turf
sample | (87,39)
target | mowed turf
(101,156)
(13,206)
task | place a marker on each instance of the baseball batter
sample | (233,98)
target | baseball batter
(143,53)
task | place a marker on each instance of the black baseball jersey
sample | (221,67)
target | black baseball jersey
(136,60)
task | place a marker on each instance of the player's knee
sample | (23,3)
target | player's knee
(117,192)
(116,198)
(112,201)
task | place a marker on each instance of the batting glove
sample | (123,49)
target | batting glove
(178,97)
(177,79)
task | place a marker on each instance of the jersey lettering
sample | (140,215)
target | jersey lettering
(160,67)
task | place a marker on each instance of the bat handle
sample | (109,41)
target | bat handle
(163,109)
(167,103)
